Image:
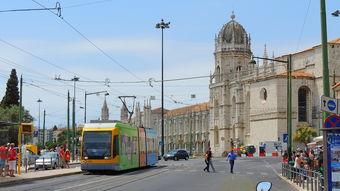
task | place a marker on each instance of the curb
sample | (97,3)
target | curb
(291,183)
(37,178)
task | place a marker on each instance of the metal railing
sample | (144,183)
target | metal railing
(307,179)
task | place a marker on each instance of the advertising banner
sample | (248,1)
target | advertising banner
(333,141)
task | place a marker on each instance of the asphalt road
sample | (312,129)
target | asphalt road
(169,176)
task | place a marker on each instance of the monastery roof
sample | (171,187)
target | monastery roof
(299,74)
(336,85)
(189,109)
(159,109)
(335,41)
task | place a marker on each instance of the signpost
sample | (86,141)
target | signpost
(285,137)
(330,105)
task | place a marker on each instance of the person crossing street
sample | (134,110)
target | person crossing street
(231,157)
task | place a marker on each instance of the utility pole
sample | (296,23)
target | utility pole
(162,26)
(75,79)
(39,101)
(44,128)
(68,120)
(20,104)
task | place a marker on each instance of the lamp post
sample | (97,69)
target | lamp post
(289,98)
(162,26)
(39,101)
(86,94)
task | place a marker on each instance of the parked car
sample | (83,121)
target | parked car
(176,155)
(47,160)
(32,157)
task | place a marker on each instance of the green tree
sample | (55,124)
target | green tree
(62,137)
(11,114)
(11,96)
(304,134)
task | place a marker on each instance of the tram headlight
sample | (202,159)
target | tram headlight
(86,158)
(106,157)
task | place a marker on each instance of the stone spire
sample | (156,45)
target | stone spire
(105,111)
(232,16)
(124,114)
(265,55)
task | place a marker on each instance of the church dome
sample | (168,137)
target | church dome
(232,36)
(233,32)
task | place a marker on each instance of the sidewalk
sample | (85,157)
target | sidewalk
(38,175)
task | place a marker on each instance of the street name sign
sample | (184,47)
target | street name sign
(330,105)
(332,121)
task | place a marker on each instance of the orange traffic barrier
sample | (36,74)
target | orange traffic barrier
(262,154)
(250,155)
(275,154)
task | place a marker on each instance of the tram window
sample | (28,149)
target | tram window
(116,146)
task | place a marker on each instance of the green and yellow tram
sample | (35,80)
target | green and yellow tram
(117,146)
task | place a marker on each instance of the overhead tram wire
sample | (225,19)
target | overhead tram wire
(303,26)
(97,47)
(86,4)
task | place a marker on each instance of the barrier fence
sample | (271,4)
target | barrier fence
(307,179)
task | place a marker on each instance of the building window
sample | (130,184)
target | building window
(263,95)
(303,104)
(217,74)
(216,136)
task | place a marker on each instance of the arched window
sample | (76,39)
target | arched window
(303,97)
(218,74)
(216,136)
(216,108)
(263,95)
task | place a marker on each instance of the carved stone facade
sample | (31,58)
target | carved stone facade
(248,102)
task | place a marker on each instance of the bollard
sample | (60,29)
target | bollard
(44,163)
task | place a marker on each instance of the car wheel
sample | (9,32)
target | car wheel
(175,158)
(165,159)
(186,158)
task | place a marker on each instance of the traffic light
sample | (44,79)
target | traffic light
(26,128)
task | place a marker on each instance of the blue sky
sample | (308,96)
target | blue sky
(125,30)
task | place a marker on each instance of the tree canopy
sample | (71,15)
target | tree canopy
(304,134)
(11,96)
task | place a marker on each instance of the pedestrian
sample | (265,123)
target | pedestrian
(231,157)
(12,158)
(62,157)
(6,162)
(67,158)
(206,162)
(3,158)
(285,157)
(209,160)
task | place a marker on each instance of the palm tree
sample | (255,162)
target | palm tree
(304,134)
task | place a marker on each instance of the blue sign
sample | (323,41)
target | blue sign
(161,143)
(285,137)
(331,105)
(332,121)
(35,134)
(333,145)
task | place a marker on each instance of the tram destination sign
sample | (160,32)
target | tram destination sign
(330,105)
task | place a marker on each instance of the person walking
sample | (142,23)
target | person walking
(3,158)
(210,159)
(12,158)
(206,162)
(67,158)
(231,157)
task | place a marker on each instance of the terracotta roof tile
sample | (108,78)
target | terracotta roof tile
(335,41)
(188,109)
(299,74)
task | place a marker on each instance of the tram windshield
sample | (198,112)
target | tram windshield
(97,144)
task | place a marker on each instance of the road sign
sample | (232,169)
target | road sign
(35,134)
(329,105)
(160,143)
(285,137)
(332,121)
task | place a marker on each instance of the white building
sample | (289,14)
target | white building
(248,103)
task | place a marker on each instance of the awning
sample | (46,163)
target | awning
(318,139)
(4,124)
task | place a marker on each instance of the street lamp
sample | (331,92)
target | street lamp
(86,94)
(162,26)
(289,98)
(336,13)
(39,101)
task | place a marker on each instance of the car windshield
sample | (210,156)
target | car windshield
(97,144)
(48,155)
(173,152)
